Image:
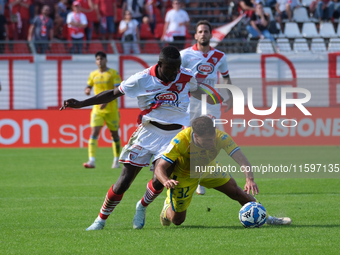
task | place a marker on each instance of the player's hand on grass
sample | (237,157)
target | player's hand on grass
(251,186)
(170,184)
(72,103)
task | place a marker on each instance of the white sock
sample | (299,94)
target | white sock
(92,159)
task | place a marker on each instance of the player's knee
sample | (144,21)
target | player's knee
(121,186)
(178,222)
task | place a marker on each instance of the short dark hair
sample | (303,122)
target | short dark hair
(203,126)
(100,54)
(203,22)
(169,52)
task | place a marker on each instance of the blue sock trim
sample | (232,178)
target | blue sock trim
(93,137)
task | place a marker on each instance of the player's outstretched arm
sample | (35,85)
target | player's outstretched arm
(101,98)
(161,174)
(242,160)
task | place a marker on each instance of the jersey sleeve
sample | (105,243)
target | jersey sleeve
(116,79)
(223,68)
(184,62)
(130,87)
(90,80)
(228,143)
(173,151)
(193,84)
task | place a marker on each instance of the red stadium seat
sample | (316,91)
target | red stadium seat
(57,48)
(119,47)
(21,48)
(145,32)
(158,14)
(65,31)
(159,30)
(119,14)
(98,46)
(188,36)
(150,47)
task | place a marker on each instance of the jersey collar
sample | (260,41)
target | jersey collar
(153,73)
(196,49)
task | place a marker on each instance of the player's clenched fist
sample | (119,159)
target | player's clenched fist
(72,103)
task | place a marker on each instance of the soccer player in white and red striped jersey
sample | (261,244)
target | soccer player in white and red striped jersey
(162,92)
(205,62)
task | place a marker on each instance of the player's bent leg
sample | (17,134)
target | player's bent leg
(150,195)
(115,195)
(92,147)
(116,148)
(127,176)
(235,192)
(153,189)
(176,218)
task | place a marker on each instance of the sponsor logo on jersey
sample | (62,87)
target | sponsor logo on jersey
(176,141)
(169,96)
(224,137)
(179,86)
(205,68)
(133,155)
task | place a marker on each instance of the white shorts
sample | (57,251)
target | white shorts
(146,142)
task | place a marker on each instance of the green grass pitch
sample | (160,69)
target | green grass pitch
(47,199)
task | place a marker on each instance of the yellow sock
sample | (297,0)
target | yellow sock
(116,148)
(92,148)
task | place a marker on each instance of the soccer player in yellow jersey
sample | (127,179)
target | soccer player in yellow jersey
(101,80)
(192,151)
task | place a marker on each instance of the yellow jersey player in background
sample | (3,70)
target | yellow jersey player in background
(101,80)
(192,151)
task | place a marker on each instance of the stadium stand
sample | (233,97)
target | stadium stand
(265,46)
(292,30)
(218,12)
(300,45)
(318,45)
(327,30)
(300,15)
(284,45)
(269,11)
(334,45)
(309,30)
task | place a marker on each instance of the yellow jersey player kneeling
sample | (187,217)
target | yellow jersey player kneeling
(193,151)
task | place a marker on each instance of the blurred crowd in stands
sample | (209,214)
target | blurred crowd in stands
(45,21)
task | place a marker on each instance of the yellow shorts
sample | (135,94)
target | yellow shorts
(180,196)
(111,119)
